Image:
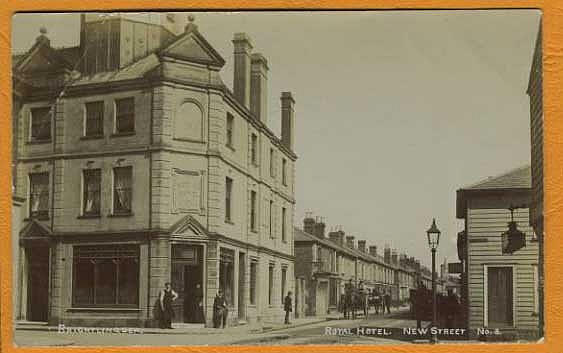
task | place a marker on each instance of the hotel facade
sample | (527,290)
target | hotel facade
(138,166)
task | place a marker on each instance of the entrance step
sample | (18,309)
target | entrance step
(184,325)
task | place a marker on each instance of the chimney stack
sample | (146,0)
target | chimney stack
(362,245)
(319,230)
(394,258)
(337,237)
(373,250)
(387,255)
(350,241)
(241,83)
(309,224)
(287,119)
(259,87)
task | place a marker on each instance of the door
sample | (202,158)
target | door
(499,296)
(187,281)
(322,298)
(38,283)
(241,291)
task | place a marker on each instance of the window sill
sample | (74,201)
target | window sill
(231,148)
(122,134)
(535,315)
(104,309)
(255,164)
(129,214)
(39,142)
(89,216)
(228,221)
(254,231)
(92,137)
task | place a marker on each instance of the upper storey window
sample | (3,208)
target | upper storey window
(91,192)
(284,171)
(230,131)
(125,115)
(39,195)
(254,149)
(94,124)
(272,163)
(41,124)
(122,190)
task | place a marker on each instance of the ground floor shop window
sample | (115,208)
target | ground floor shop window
(226,274)
(106,275)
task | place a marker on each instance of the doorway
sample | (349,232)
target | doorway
(187,281)
(500,297)
(37,283)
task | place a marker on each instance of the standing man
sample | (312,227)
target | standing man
(387,301)
(220,310)
(287,307)
(166,297)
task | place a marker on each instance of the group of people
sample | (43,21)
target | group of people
(220,307)
(358,297)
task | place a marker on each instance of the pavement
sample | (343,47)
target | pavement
(301,331)
(38,334)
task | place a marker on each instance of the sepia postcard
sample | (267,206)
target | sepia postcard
(266,178)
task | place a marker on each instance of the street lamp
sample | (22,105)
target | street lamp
(433,240)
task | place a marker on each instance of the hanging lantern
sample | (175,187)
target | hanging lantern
(513,239)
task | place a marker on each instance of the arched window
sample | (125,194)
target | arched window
(188,122)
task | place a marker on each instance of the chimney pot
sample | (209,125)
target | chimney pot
(362,245)
(350,241)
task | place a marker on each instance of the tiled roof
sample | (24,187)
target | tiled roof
(519,178)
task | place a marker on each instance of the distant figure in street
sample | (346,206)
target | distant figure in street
(287,307)
(220,310)
(387,301)
(166,297)
(451,309)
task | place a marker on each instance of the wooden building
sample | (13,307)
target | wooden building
(535,92)
(139,166)
(501,266)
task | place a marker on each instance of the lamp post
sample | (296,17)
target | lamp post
(433,235)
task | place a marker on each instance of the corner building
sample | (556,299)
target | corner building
(139,166)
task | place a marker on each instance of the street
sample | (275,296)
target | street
(310,333)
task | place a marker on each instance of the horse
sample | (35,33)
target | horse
(376,300)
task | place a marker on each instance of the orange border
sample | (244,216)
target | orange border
(553,156)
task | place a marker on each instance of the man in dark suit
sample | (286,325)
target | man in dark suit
(220,311)
(287,306)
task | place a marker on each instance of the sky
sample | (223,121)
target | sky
(395,110)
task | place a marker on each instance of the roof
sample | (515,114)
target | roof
(516,180)
(130,72)
(519,178)
(300,235)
